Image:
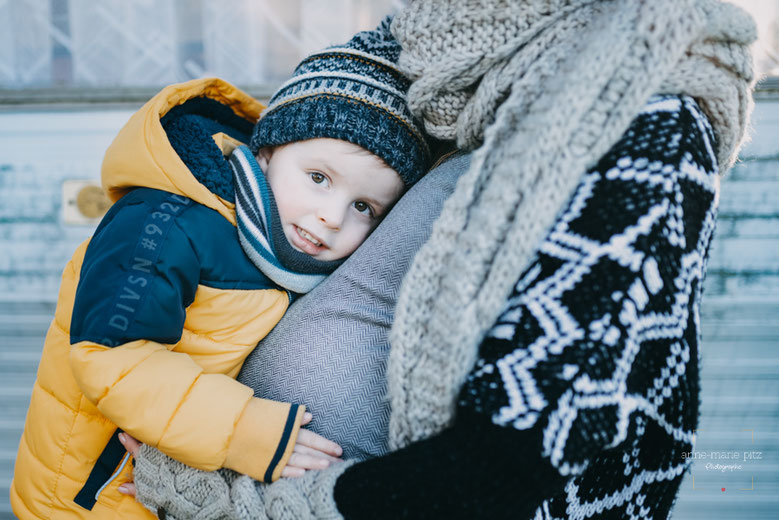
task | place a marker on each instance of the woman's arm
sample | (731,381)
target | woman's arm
(469,461)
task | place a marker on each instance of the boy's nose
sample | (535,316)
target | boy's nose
(332,216)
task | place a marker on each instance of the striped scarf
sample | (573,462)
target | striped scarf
(261,234)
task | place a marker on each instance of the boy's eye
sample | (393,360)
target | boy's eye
(363,207)
(317,177)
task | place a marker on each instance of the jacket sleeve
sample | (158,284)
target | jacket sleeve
(475,469)
(140,273)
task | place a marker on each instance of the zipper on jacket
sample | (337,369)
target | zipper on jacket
(103,472)
(113,477)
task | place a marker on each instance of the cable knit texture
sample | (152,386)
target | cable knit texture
(182,492)
(543,88)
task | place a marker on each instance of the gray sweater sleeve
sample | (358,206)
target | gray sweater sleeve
(175,491)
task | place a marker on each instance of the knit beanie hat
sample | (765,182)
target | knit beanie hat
(353,92)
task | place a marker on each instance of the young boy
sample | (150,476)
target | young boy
(196,261)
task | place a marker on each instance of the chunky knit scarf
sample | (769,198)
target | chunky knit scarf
(543,89)
(261,234)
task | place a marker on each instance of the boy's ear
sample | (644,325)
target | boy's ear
(263,157)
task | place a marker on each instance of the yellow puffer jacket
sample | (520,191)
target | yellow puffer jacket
(165,280)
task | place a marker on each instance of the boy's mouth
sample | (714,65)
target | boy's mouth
(307,242)
(308,236)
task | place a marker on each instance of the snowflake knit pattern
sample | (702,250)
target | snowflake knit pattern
(597,348)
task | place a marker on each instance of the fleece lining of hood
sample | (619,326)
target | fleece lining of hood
(190,127)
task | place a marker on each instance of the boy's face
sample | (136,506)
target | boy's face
(330,194)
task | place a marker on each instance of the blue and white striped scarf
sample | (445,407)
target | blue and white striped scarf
(261,234)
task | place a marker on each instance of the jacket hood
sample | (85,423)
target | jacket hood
(209,113)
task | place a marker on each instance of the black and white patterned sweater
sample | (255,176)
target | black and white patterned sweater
(585,394)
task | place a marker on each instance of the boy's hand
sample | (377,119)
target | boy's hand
(311,451)
(132,445)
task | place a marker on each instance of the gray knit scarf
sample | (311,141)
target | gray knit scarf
(541,89)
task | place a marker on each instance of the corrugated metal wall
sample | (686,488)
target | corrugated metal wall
(39,150)
(740,352)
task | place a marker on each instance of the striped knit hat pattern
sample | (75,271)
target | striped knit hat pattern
(353,92)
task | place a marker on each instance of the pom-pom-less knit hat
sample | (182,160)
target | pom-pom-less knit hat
(353,92)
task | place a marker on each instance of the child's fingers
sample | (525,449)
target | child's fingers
(302,461)
(130,443)
(290,472)
(306,418)
(312,440)
(305,450)
(128,488)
